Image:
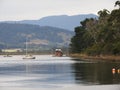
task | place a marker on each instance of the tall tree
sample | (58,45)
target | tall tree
(92,29)
(103,13)
(114,23)
(77,42)
(99,36)
(117,3)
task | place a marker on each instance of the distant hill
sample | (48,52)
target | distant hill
(14,36)
(61,21)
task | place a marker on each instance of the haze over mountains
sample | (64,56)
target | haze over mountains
(47,32)
(14,35)
(61,21)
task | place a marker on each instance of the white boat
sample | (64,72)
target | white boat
(28,56)
(58,53)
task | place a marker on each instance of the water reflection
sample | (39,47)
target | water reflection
(52,73)
(96,73)
(37,74)
(49,74)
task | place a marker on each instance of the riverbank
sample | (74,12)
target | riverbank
(65,87)
(100,57)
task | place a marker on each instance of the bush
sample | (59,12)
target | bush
(94,50)
(116,49)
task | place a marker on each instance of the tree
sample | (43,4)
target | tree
(102,26)
(103,13)
(77,41)
(117,3)
(82,38)
(99,36)
(92,29)
(114,23)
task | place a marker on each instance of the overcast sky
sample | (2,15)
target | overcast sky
(36,9)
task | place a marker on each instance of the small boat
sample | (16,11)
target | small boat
(29,57)
(58,53)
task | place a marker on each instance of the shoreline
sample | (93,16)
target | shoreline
(100,57)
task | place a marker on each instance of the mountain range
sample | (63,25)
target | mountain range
(47,32)
(60,21)
(14,36)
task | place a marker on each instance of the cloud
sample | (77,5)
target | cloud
(34,9)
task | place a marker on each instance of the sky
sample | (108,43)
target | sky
(15,10)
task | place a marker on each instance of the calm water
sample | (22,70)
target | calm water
(49,73)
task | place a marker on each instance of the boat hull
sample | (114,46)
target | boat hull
(28,57)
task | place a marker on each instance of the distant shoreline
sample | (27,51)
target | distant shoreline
(100,57)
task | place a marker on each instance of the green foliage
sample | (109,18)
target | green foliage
(117,3)
(78,42)
(14,36)
(93,50)
(116,49)
(99,36)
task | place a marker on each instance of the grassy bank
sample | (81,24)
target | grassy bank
(100,57)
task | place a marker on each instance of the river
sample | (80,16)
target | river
(57,73)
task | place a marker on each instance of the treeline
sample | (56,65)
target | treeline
(98,36)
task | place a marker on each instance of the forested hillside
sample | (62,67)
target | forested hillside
(14,35)
(99,36)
